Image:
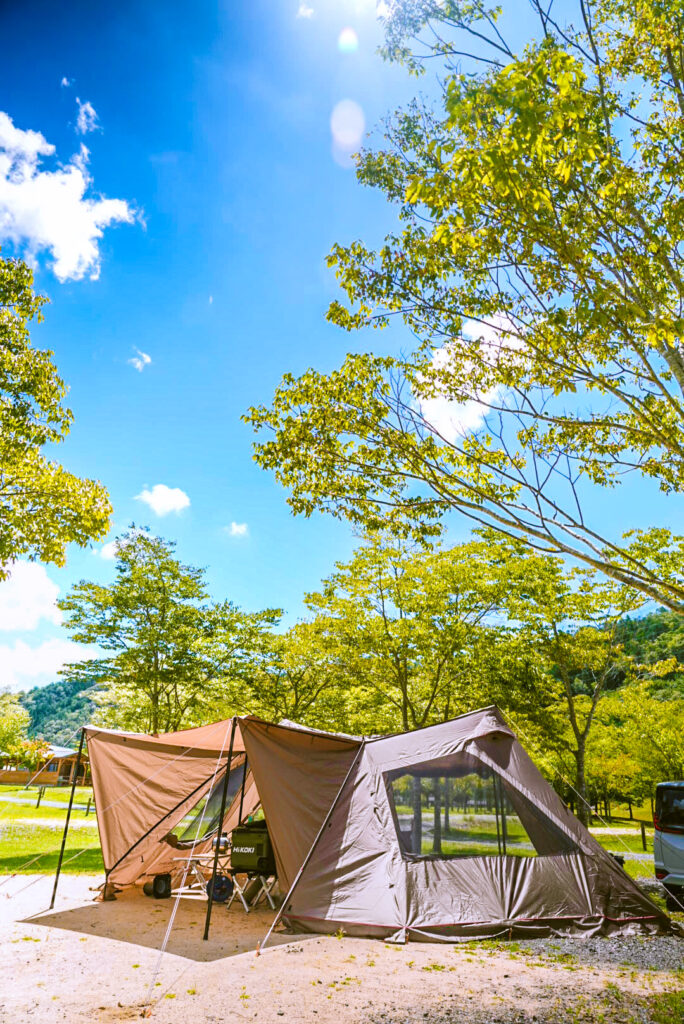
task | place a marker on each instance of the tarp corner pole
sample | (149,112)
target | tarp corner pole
(224,795)
(66,823)
(242,789)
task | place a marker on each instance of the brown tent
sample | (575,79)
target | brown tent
(449,831)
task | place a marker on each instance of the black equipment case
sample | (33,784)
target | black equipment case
(251,849)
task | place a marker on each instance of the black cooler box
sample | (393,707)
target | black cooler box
(251,850)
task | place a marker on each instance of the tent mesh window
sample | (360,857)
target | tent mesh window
(460,807)
(203,820)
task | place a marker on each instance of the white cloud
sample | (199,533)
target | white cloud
(27,597)
(163,500)
(23,666)
(452,419)
(109,551)
(237,529)
(140,361)
(51,210)
(86,120)
(304,11)
(66,82)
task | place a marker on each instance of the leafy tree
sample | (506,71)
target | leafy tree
(409,629)
(171,648)
(538,263)
(645,729)
(656,642)
(43,507)
(570,619)
(14,721)
(614,769)
(293,675)
(33,754)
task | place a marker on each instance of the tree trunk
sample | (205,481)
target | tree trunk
(583,812)
(447,805)
(417,828)
(437,821)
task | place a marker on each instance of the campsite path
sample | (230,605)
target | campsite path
(51,823)
(60,804)
(88,962)
(633,854)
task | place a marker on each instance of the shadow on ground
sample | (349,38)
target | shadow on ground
(138,919)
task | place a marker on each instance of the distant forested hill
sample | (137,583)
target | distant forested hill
(58,709)
(657,637)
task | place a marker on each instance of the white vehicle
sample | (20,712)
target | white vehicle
(668,841)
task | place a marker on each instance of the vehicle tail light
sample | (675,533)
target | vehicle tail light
(659,873)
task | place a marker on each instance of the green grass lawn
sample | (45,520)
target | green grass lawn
(23,835)
(20,843)
(638,869)
(617,842)
(21,840)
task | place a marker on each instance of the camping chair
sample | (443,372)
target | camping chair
(200,871)
(251,891)
(258,888)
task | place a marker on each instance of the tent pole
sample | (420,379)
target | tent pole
(495,789)
(313,847)
(502,799)
(66,823)
(242,790)
(224,796)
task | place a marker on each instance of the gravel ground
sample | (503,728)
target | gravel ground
(660,953)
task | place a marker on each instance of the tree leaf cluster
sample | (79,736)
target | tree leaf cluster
(537,263)
(43,506)
(163,642)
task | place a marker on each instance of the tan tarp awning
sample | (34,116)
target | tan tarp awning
(144,785)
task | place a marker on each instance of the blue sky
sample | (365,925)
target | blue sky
(212,128)
(188,274)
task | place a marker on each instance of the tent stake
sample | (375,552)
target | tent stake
(299,874)
(224,795)
(66,823)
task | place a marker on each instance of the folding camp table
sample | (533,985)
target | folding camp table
(199,861)
(198,881)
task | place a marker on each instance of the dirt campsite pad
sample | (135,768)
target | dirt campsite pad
(88,961)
